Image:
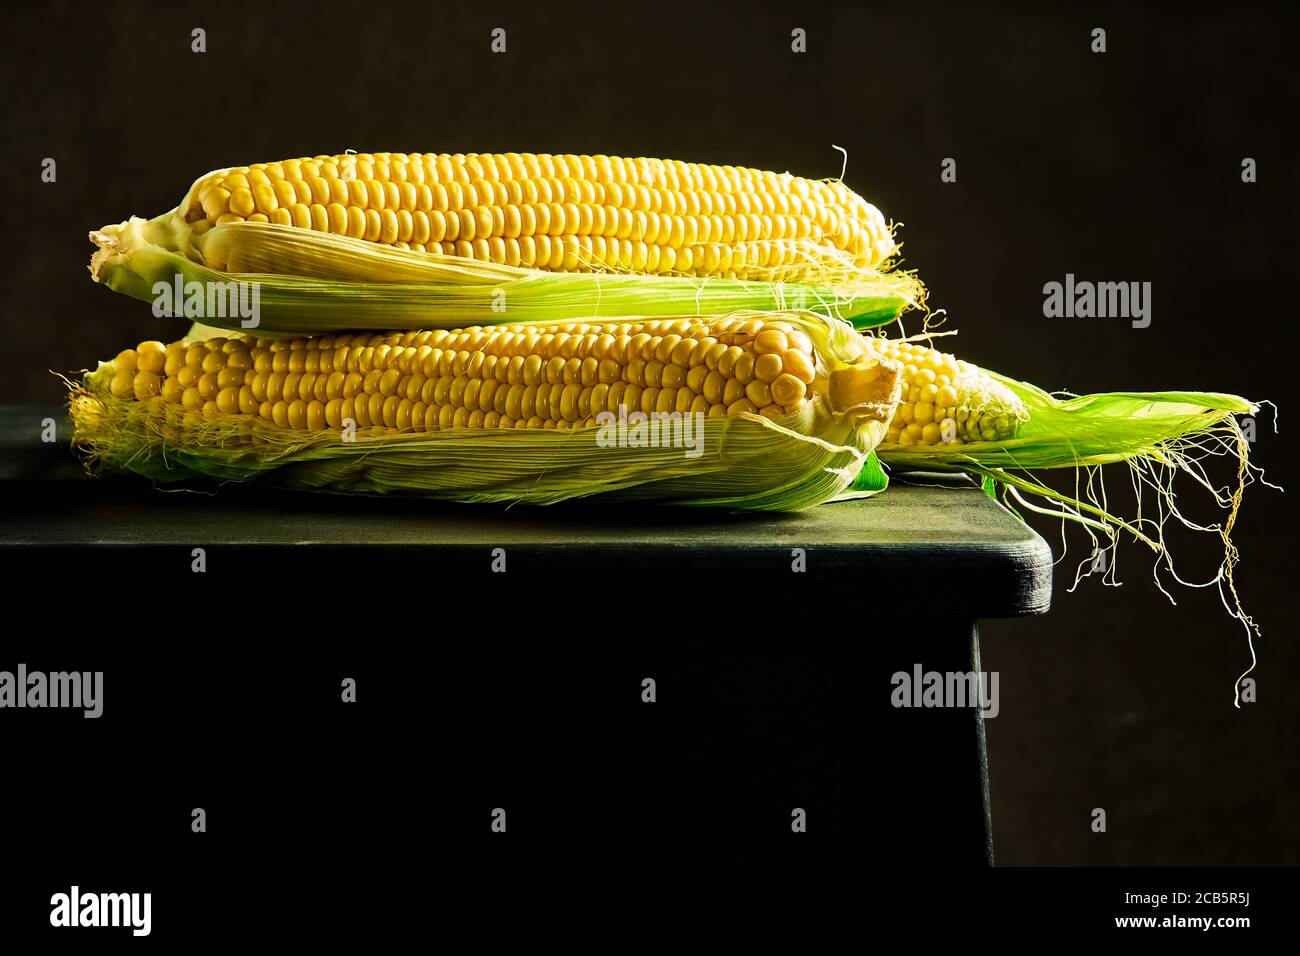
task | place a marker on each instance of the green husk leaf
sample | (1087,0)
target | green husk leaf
(310,282)
(1159,435)
(1067,431)
(870,480)
(746,461)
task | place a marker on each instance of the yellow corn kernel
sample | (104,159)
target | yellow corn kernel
(945,400)
(645,215)
(528,376)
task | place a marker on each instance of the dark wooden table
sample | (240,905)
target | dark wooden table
(773,686)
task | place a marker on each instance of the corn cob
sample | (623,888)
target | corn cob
(510,376)
(795,396)
(414,238)
(946,400)
(560,213)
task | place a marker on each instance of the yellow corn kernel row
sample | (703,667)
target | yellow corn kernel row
(946,400)
(506,376)
(583,213)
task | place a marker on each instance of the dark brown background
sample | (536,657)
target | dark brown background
(1122,166)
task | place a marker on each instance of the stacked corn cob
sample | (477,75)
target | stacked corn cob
(521,376)
(518,376)
(537,294)
(602,293)
(563,236)
(775,412)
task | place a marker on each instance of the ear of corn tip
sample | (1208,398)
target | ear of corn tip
(946,401)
